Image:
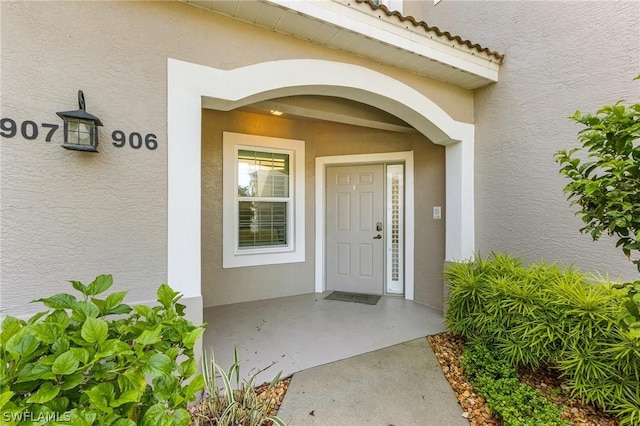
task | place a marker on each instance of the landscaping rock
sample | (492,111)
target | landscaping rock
(448,349)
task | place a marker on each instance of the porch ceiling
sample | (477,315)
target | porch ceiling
(350,27)
(327,108)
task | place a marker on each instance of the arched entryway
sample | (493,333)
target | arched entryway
(189,84)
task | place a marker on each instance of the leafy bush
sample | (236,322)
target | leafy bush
(632,320)
(605,184)
(490,298)
(229,405)
(480,361)
(513,402)
(72,365)
(546,315)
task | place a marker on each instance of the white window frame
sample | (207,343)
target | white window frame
(232,255)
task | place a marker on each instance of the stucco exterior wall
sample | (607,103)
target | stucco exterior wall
(222,286)
(69,215)
(560,56)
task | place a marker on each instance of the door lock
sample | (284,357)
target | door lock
(379,226)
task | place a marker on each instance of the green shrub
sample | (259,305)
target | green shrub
(631,321)
(513,402)
(479,361)
(604,175)
(546,315)
(71,365)
(490,298)
(229,405)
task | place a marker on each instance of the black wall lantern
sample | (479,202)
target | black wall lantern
(80,128)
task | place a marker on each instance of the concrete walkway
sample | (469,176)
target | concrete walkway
(401,385)
(293,334)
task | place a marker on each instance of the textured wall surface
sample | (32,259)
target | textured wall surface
(222,286)
(70,215)
(560,56)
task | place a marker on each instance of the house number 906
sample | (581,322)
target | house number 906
(135,140)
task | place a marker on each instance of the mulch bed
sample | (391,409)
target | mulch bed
(448,349)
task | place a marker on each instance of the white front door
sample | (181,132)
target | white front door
(355,235)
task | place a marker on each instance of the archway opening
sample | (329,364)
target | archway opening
(192,86)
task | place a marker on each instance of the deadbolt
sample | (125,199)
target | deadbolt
(379,226)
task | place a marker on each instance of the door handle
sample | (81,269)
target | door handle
(377,237)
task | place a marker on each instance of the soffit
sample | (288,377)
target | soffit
(327,108)
(371,32)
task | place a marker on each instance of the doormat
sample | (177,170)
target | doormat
(367,299)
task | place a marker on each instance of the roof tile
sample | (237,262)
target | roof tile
(474,46)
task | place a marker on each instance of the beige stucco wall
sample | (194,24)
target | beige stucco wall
(68,215)
(222,286)
(560,56)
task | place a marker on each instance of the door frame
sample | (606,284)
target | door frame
(405,157)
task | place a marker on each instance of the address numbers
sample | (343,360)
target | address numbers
(135,140)
(30,130)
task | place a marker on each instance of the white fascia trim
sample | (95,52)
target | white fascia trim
(370,26)
(321,167)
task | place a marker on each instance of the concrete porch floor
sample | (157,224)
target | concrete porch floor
(292,334)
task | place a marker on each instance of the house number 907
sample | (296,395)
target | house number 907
(28,129)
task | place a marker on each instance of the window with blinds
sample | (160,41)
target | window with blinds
(263,198)
(263,194)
